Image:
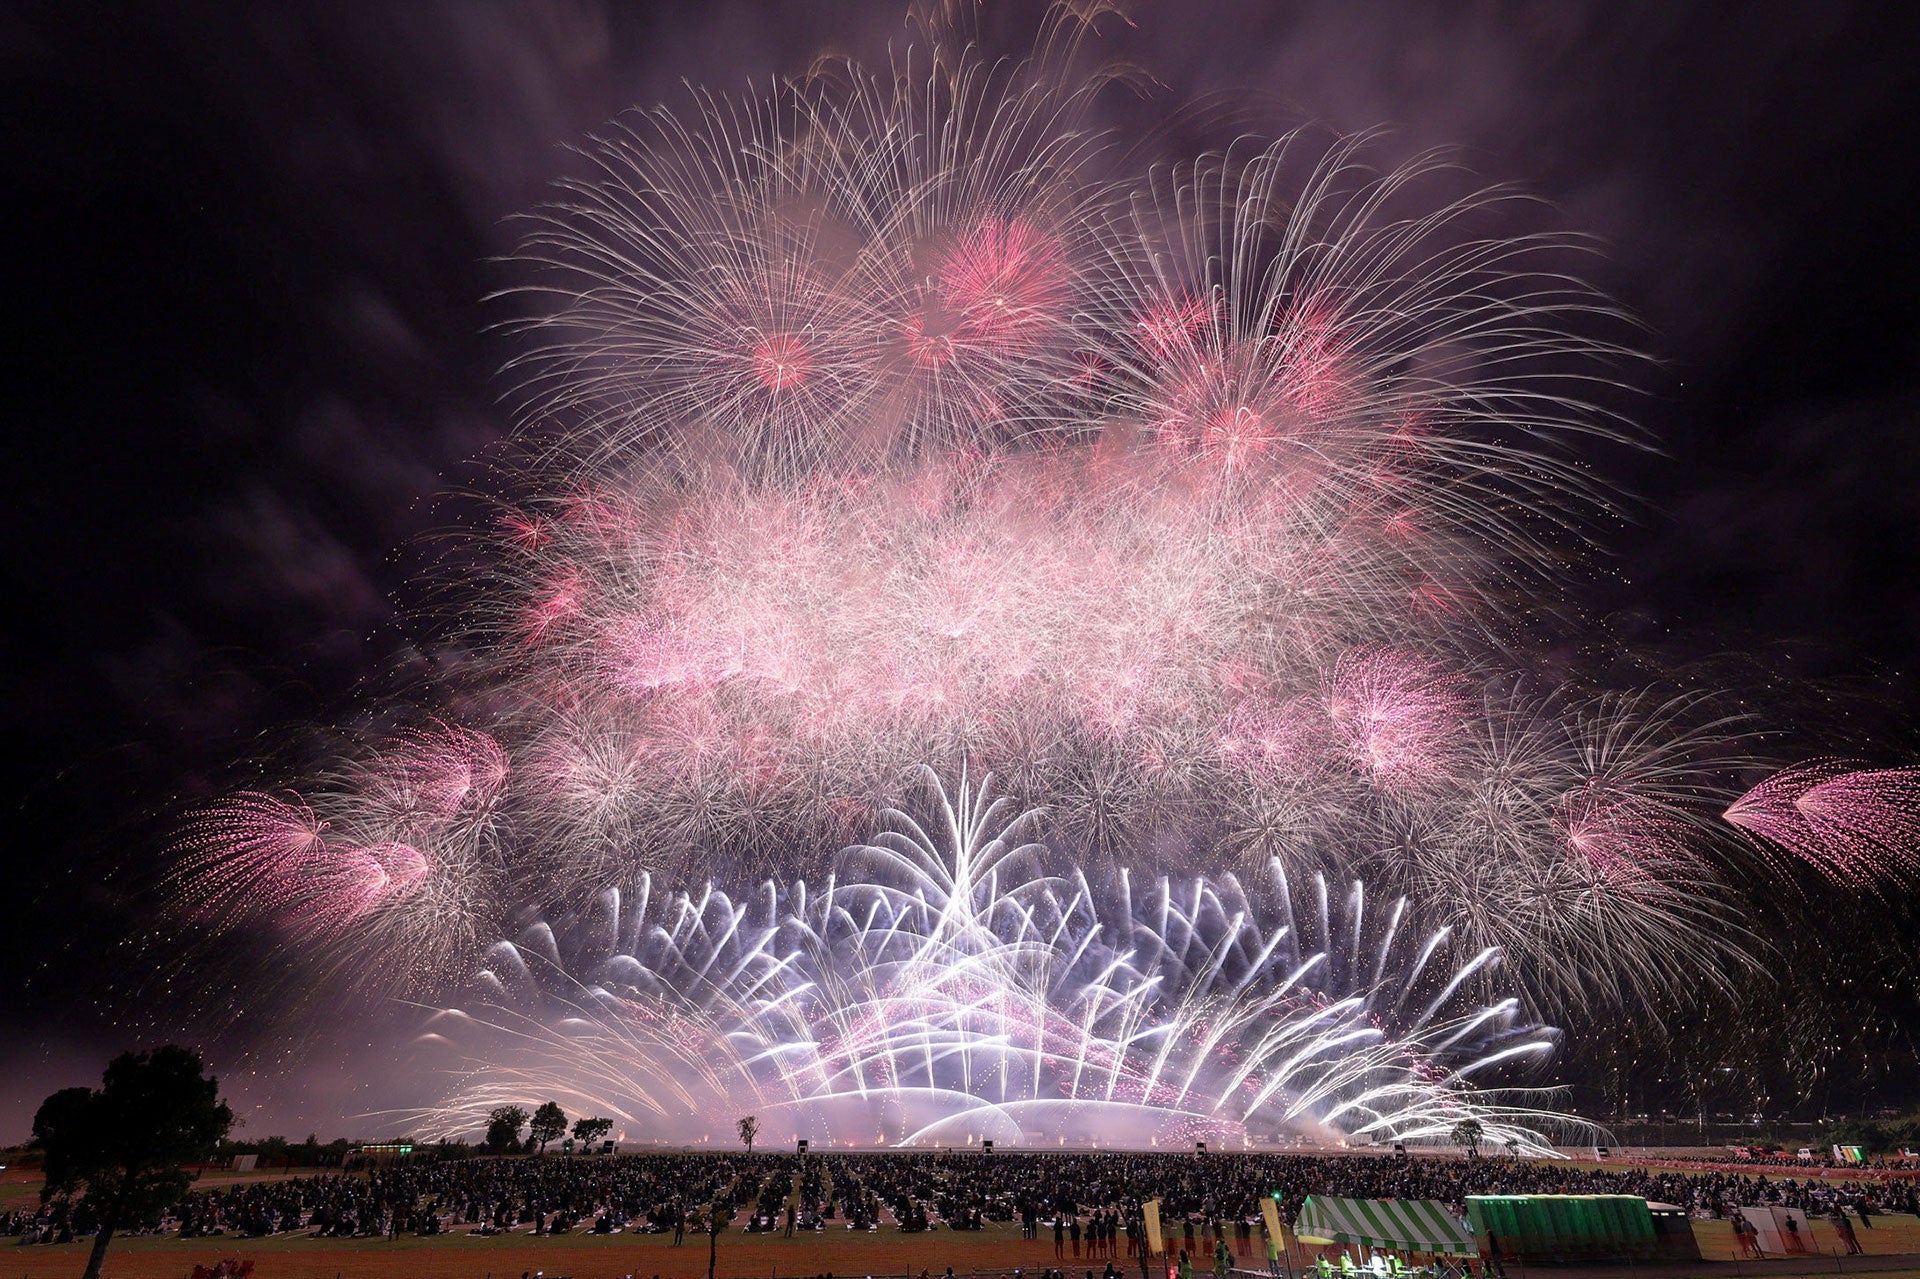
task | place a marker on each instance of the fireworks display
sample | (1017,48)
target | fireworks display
(905,419)
(936,989)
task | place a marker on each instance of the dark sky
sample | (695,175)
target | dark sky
(248,246)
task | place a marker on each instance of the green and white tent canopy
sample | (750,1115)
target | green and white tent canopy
(1407,1225)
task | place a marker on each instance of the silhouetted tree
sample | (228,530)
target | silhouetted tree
(503,1128)
(549,1121)
(122,1145)
(749,1129)
(587,1131)
(1468,1133)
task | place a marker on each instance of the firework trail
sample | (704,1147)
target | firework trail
(938,988)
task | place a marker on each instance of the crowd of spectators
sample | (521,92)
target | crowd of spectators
(1787,1159)
(1095,1195)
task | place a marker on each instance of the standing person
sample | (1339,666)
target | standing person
(679,1223)
(1073,1232)
(1222,1257)
(1186,1267)
(1273,1255)
(1059,1236)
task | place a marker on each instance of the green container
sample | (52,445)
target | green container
(1564,1227)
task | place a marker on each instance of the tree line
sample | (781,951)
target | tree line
(546,1124)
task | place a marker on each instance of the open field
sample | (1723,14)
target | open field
(19,1187)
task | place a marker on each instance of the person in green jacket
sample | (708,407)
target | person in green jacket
(1273,1255)
(1186,1267)
(1222,1258)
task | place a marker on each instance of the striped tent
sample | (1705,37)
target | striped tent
(1407,1225)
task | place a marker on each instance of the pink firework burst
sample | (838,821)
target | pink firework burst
(354,882)
(1397,717)
(1852,824)
(250,849)
(1314,352)
(782,361)
(265,857)
(1008,281)
(1227,405)
(1771,812)
(1874,814)
(437,772)
(1170,328)
(1627,842)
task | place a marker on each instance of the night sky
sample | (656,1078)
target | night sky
(248,348)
